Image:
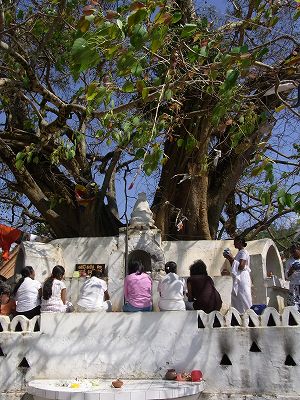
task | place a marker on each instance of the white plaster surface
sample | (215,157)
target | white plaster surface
(101,389)
(145,345)
(41,256)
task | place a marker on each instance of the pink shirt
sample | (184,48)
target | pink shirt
(138,290)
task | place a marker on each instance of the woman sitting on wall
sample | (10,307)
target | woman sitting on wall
(93,295)
(241,298)
(137,289)
(201,289)
(171,290)
(7,304)
(27,293)
(54,294)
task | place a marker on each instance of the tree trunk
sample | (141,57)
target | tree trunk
(199,200)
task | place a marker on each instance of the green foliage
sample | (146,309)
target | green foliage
(141,77)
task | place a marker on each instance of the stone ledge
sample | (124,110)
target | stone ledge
(101,389)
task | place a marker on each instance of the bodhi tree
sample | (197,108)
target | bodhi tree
(99,91)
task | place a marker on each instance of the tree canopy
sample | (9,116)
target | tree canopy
(96,95)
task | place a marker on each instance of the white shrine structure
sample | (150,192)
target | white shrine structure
(241,357)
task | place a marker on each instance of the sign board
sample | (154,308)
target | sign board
(86,269)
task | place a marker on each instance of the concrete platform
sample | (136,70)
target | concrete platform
(101,389)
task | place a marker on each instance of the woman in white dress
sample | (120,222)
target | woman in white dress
(241,298)
(94,295)
(54,295)
(27,293)
(171,290)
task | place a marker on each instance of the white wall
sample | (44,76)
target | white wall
(145,345)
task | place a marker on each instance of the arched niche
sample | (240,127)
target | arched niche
(273,264)
(142,256)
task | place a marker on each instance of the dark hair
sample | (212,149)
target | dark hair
(5,289)
(136,267)
(57,273)
(171,266)
(198,268)
(97,273)
(2,278)
(25,272)
(241,239)
(295,246)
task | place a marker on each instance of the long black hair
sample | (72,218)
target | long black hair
(25,272)
(136,267)
(57,273)
(198,268)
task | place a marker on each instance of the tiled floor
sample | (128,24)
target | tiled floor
(102,390)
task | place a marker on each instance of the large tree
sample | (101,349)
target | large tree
(96,92)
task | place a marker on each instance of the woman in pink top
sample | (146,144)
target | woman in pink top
(137,289)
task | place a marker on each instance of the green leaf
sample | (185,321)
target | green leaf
(140,85)
(20,14)
(240,50)
(265,198)
(128,87)
(152,160)
(20,156)
(84,56)
(92,91)
(203,51)
(136,121)
(140,153)
(83,25)
(176,17)
(168,94)
(163,18)
(120,24)
(157,37)
(180,142)
(188,30)
(296,15)
(191,143)
(137,17)
(273,21)
(125,63)
(280,108)
(262,53)
(79,45)
(19,164)
(145,93)
(139,36)
(230,81)
(137,69)
(70,154)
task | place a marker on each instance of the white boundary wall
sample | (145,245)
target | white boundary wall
(145,345)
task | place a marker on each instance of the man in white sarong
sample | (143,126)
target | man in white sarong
(241,298)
